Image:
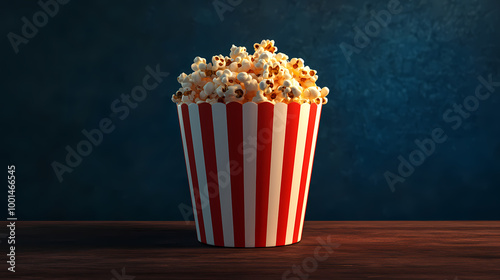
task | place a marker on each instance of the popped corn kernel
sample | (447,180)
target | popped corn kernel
(243,77)
(209,88)
(181,77)
(234,93)
(238,52)
(314,92)
(251,87)
(259,97)
(325,91)
(197,61)
(264,76)
(296,91)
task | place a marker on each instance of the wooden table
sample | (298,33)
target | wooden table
(329,250)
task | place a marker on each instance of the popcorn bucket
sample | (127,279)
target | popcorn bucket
(249,167)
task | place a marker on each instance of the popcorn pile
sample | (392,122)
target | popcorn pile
(265,76)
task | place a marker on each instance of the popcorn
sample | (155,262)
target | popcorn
(221,90)
(228,77)
(234,93)
(186,99)
(196,77)
(181,77)
(296,91)
(324,92)
(296,63)
(218,62)
(209,88)
(251,88)
(263,85)
(197,61)
(244,66)
(243,77)
(281,57)
(212,100)
(186,84)
(259,97)
(264,76)
(314,92)
(278,96)
(233,66)
(238,51)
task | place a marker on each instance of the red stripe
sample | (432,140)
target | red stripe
(264,144)
(192,168)
(291,130)
(305,169)
(207,135)
(235,140)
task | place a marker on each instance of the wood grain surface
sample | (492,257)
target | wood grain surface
(452,250)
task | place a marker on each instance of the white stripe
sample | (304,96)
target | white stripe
(309,170)
(278,143)
(186,156)
(194,118)
(223,171)
(297,170)
(250,164)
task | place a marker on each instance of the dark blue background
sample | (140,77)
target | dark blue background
(393,92)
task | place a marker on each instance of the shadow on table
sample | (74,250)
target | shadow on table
(112,235)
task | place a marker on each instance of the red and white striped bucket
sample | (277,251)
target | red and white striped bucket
(249,167)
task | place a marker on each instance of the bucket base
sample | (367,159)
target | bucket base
(270,246)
